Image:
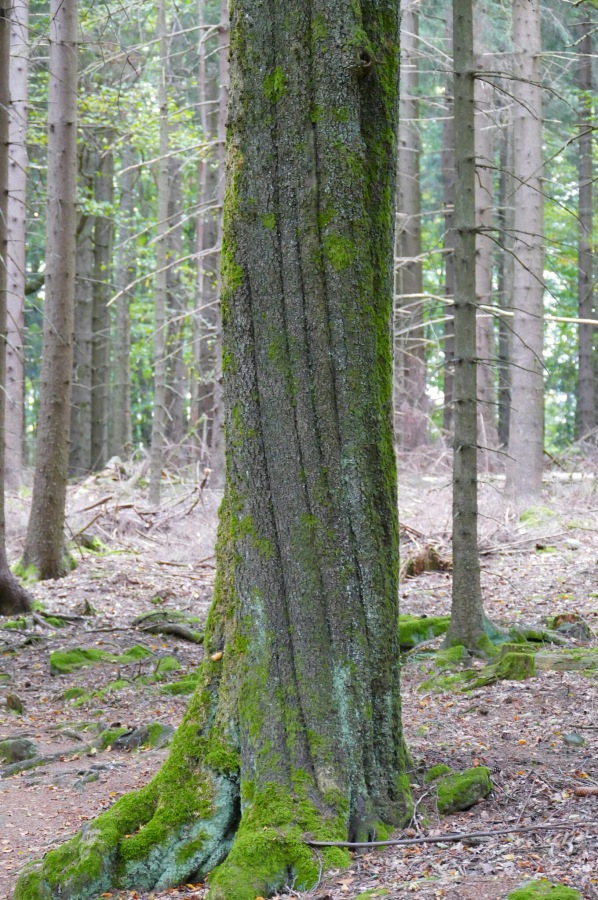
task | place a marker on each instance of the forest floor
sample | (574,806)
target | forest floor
(539,736)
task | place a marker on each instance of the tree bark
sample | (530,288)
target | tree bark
(448,184)
(484,190)
(80,430)
(467,613)
(411,406)
(295,726)
(17,233)
(122,435)
(44,545)
(177,371)
(217,461)
(587,414)
(505,281)
(102,291)
(12,596)
(526,436)
(160,323)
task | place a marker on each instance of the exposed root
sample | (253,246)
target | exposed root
(13,597)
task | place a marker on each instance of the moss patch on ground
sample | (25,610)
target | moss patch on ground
(535,890)
(63,662)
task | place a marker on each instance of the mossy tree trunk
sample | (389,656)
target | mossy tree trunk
(295,727)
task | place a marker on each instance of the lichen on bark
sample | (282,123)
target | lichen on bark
(295,725)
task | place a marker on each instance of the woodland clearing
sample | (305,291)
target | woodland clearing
(538,736)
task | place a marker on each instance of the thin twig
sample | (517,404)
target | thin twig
(454,837)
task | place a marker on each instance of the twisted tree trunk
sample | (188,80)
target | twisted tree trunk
(295,726)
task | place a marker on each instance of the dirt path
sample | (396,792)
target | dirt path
(543,566)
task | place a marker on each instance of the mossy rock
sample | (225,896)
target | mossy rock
(15,750)
(156,735)
(436,772)
(109,737)
(537,889)
(414,630)
(63,662)
(165,665)
(461,790)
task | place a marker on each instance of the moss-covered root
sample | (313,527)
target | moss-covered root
(180,824)
(543,890)
(269,850)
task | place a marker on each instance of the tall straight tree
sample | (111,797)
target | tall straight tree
(217,461)
(410,359)
(484,189)
(122,437)
(526,431)
(467,613)
(295,726)
(102,290)
(17,231)
(161,289)
(448,192)
(12,597)
(587,395)
(44,545)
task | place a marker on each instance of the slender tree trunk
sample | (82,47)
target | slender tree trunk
(12,597)
(467,614)
(526,435)
(448,182)
(160,323)
(217,463)
(102,291)
(587,414)
(505,282)
(80,431)
(177,374)
(484,189)
(44,546)
(295,726)
(410,358)
(122,436)
(17,232)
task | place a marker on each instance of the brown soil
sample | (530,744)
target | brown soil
(532,570)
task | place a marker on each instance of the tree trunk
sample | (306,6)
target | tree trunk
(122,436)
(484,189)
(217,462)
(80,430)
(295,725)
(160,323)
(410,358)
(448,182)
(17,233)
(587,415)
(526,437)
(177,374)
(102,291)
(505,281)
(467,614)
(12,596)
(44,545)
